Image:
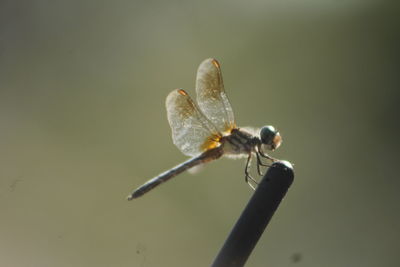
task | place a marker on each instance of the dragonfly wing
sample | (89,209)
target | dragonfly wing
(192,132)
(211,96)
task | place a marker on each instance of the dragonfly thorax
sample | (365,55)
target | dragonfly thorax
(239,142)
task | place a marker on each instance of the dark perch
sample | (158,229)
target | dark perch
(256,216)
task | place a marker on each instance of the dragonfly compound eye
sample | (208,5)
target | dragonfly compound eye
(270,137)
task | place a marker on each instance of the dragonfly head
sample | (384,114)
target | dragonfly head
(270,137)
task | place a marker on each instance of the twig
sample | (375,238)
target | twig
(256,216)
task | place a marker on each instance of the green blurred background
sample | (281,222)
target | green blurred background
(83,122)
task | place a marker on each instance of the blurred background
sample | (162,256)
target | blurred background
(83,122)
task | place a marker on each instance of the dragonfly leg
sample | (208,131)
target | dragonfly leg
(248,177)
(260,163)
(266,155)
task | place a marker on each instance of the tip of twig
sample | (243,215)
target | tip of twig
(285,163)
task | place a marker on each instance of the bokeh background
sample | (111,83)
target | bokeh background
(83,122)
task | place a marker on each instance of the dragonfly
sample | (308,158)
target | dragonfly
(206,130)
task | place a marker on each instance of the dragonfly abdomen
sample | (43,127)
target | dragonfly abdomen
(207,156)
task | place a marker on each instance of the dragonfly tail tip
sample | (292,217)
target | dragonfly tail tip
(130,197)
(134,194)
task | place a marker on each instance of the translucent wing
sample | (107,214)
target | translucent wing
(192,132)
(211,96)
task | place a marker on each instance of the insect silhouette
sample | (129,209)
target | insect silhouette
(206,130)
